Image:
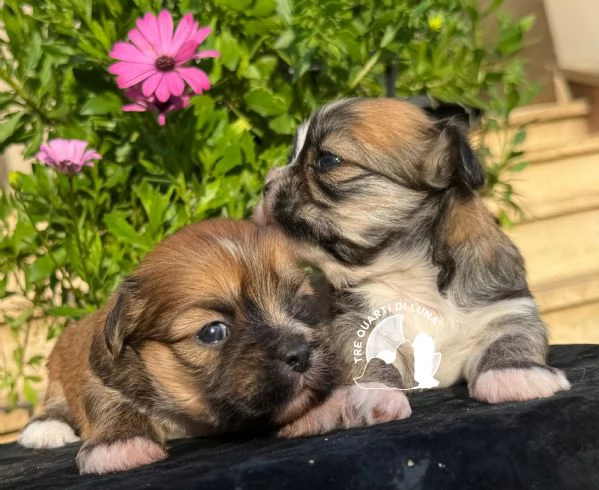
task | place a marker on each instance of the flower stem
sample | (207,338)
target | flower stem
(72,205)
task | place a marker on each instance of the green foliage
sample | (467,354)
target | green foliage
(66,242)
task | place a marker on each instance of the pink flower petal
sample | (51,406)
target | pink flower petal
(141,43)
(78,151)
(134,77)
(161,119)
(124,68)
(186,52)
(148,27)
(133,108)
(127,52)
(201,34)
(196,78)
(174,83)
(165,31)
(182,33)
(134,93)
(58,149)
(207,54)
(150,85)
(162,91)
(90,155)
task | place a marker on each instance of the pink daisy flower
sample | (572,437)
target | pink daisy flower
(67,156)
(143,104)
(155,57)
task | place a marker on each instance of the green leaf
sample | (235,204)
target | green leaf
(284,40)
(121,229)
(34,52)
(29,392)
(106,103)
(518,167)
(229,50)
(66,311)
(35,360)
(284,10)
(236,5)
(389,36)
(154,204)
(40,269)
(284,124)
(265,103)
(8,126)
(519,137)
(34,143)
(527,22)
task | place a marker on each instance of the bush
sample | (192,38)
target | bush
(67,240)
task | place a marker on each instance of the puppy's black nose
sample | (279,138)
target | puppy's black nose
(297,355)
(267,187)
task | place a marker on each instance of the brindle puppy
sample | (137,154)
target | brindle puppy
(384,200)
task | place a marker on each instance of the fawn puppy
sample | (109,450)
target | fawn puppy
(384,200)
(217,330)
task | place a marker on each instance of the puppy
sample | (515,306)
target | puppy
(217,330)
(384,200)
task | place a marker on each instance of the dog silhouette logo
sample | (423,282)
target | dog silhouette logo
(384,341)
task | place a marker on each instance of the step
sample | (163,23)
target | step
(565,248)
(562,259)
(558,181)
(548,126)
(575,325)
(569,292)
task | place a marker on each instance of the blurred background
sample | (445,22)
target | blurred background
(522,75)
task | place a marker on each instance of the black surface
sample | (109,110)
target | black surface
(449,442)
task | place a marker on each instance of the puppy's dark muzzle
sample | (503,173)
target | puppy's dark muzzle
(295,353)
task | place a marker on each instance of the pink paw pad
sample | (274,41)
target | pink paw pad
(517,384)
(119,456)
(375,403)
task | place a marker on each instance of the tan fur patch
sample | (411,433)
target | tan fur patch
(470,223)
(164,367)
(387,124)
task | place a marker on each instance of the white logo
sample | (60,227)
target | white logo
(388,335)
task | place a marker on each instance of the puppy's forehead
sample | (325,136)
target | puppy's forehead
(221,260)
(383,124)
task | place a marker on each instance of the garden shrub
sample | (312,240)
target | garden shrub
(67,240)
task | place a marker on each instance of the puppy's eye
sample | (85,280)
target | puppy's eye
(213,333)
(327,161)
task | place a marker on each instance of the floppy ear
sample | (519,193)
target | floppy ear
(453,160)
(470,170)
(120,321)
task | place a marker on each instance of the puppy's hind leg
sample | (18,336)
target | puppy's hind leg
(512,366)
(54,427)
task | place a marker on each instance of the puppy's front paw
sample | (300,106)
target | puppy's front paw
(517,384)
(375,403)
(321,419)
(99,458)
(351,406)
(45,434)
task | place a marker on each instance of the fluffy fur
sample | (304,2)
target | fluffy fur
(384,200)
(140,371)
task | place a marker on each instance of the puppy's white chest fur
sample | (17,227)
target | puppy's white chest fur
(411,291)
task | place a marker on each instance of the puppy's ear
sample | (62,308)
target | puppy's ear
(470,170)
(454,159)
(121,318)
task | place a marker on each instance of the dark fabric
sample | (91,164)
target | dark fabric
(449,442)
